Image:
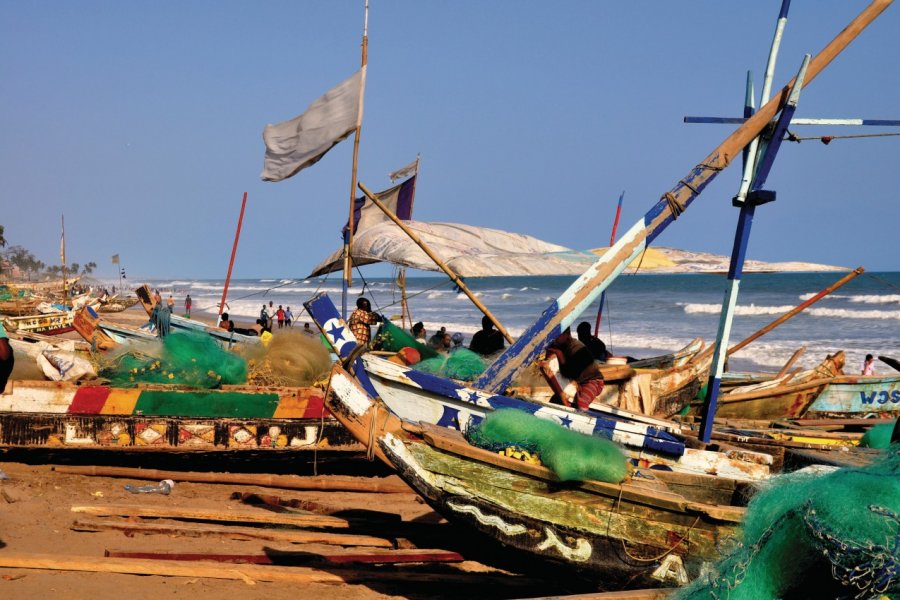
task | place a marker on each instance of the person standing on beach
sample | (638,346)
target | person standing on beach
(869,365)
(288,317)
(272,315)
(7,360)
(418,331)
(280,314)
(187,306)
(361,319)
(264,318)
(170,304)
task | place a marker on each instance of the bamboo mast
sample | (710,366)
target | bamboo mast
(612,240)
(756,163)
(237,236)
(443,266)
(348,235)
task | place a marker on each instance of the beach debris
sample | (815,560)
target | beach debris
(163,487)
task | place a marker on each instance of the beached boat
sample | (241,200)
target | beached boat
(43,414)
(635,532)
(859,395)
(48,324)
(103,335)
(116,304)
(227,339)
(416,396)
(787,397)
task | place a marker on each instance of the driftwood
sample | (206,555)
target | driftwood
(200,514)
(247,573)
(292,557)
(232,532)
(336,483)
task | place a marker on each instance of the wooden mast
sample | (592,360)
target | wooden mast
(62,259)
(348,235)
(443,266)
(597,278)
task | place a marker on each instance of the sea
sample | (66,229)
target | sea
(643,315)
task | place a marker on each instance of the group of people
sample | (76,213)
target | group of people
(269,316)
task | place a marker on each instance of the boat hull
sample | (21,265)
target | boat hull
(62,415)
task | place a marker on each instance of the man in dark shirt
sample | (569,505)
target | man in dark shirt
(577,363)
(593,343)
(488,340)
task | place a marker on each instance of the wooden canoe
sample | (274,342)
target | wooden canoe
(627,533)
(44,414)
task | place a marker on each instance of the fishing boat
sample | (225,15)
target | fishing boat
(786,397)
(636,532)
(416,396)
(859,395)
(48,324)
(225,338)
(44,414)
(103,335)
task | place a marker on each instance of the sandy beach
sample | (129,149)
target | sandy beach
(40,528)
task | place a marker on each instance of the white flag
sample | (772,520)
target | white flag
(293,145)
(410,169)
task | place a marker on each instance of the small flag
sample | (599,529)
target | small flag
(399,199)
(293,145)
(410,169)
(115,259)
(122,273)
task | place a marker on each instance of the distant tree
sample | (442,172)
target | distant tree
(89,268)
(2,239)
(74,268)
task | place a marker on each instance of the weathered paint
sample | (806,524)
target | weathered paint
(859,395)
(228,402)
(49,324)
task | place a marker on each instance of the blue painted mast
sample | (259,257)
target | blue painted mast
(758,163)
(567,308)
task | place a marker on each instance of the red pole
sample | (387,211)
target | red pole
(237,236)
(612,240)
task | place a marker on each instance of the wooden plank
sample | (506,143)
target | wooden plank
(246,573)
(386,485)
(200,514)
(232,532)
(281,557)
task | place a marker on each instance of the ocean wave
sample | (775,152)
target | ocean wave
(506,296)
(694,308)
(843,313)
(861,298)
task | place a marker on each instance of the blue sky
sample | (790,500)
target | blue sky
(142,122)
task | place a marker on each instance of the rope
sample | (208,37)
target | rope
(827,139)
(685,537)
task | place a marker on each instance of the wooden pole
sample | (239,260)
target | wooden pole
(62,259)
(566,309)
(291,482)
(348,239)
(443,266)
(612,240)
(237,236)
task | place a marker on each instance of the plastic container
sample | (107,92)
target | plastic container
(163,487)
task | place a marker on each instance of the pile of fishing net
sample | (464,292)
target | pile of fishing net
(392,338)
(808,536)
(572,456)
(878,436)
(186,358)
(292,358)
(462,364)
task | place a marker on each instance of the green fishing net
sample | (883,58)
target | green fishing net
(187,358)
(462,364)
(878,436)
(392,338)
(572,456)
(816,536)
